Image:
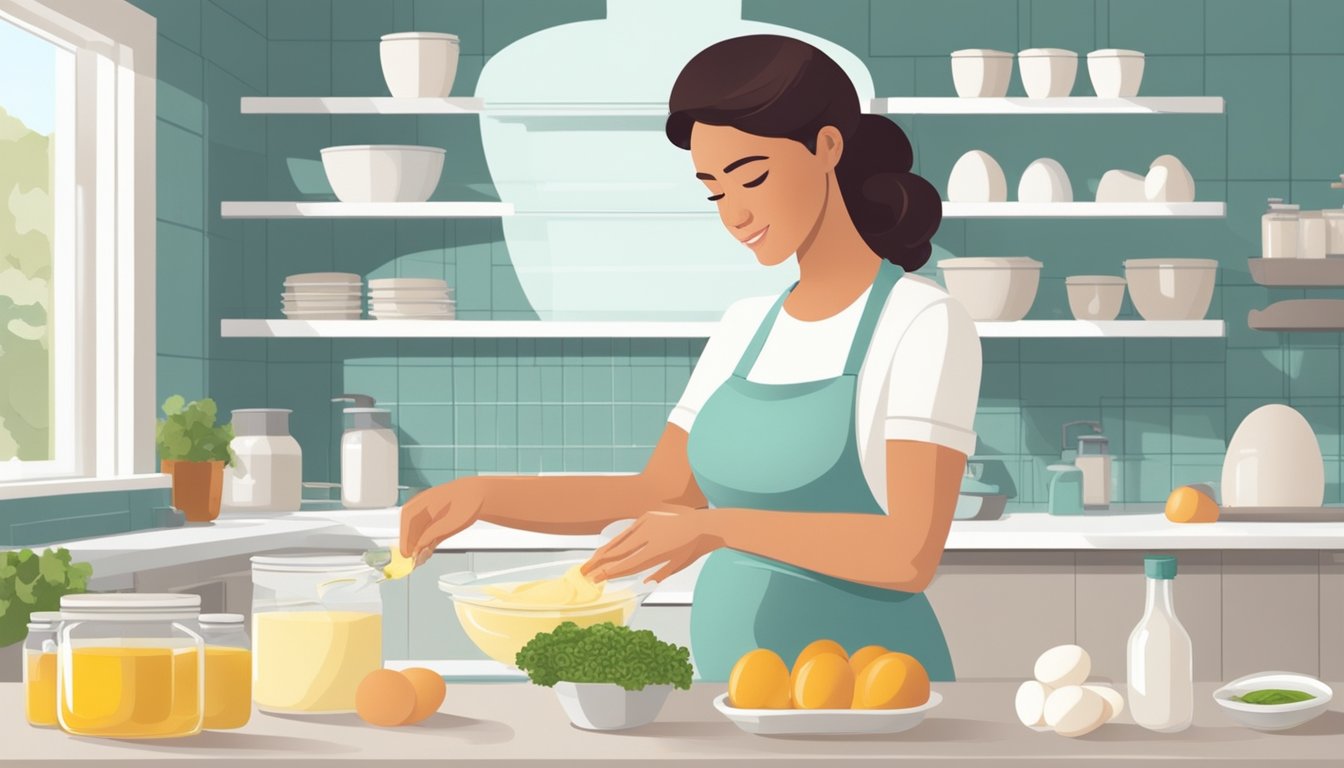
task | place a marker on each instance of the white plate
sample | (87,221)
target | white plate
(299,314)
(324,278)
(825,722)
(377,316)
(1274,717)
(409,295)
(386,283)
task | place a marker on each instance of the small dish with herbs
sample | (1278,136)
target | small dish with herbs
(1274,701)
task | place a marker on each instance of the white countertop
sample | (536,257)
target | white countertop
(1122,528)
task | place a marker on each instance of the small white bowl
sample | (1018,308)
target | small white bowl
(419,64)
(1115,72)
(1047,73)
(1095,297)
(981,72)
(609,707)
(1274,717)
(383,173)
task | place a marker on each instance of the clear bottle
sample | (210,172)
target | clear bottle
(39,668)
(369,456)
(1161,671)
(228,671)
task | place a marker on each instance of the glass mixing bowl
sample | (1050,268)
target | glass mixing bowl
(500,625)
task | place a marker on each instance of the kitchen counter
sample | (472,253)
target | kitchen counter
(519,724)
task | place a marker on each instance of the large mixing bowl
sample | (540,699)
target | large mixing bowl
(383,173)
(1171,289)
(500,629)
(993,289)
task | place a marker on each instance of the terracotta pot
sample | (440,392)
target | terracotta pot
(197,486)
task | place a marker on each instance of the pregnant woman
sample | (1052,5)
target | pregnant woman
(817,452)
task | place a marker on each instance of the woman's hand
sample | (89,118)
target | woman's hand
(675,536)
(437,513)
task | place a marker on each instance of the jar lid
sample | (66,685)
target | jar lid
(981,53)
(221,618)
(1108,53)
(259,422)
(44,617)
(420,36)
(309,563)
(130,605)
(1054,53)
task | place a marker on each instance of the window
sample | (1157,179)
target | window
(76,245)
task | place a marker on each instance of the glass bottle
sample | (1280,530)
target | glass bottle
(228,671)
(1161,673)
(39,668)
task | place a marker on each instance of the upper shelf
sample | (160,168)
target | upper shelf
(267,209)
(1298,273)
(611,329)
(1084,210)
(1071,105)
(358,105)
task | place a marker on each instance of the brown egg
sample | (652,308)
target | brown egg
(823,682)
(429,692)
(759,680)
(385,698)
(861,657)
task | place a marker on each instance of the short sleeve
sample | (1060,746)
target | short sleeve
(935,380)
(719,358)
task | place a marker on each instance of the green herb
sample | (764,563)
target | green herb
(189,432)
(1274,696)
(604,653)
(31,582)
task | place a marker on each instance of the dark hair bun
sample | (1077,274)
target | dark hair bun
(896,211)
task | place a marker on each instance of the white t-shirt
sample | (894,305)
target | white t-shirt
(920,379)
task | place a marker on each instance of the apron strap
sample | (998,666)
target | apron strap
(887,275)
(753,350)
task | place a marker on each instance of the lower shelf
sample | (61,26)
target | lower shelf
(1320,315)
(1299,273)
(612,329)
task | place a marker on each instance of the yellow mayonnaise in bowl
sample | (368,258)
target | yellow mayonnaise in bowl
(501,610)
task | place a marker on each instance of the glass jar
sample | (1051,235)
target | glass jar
(1334,231)
(228,671)
(39,668)
(1311,235)
(267,472)
(1278,230)
(130,666)
(317,631)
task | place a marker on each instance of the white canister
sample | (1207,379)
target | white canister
(369,460)
(1334,231)
(1047,73)
(418,65)
(1115,72)
(267,471)
(981,72)
(1278,230)
(1311,235)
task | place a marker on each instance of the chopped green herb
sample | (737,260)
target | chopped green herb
(1273,696)
(604,653)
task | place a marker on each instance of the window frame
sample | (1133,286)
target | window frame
(104,329)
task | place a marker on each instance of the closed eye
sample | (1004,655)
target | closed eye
(756,182)
(713,198)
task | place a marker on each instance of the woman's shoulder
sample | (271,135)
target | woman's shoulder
(919,297)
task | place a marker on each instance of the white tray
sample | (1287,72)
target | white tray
(825,722)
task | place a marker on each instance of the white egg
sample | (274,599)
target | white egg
(1119,186)
(1063,665)
(1030,703)
(1273,460)
(1074,711)
(1115,703)
(1168,181)
(1044,181)
(977,178)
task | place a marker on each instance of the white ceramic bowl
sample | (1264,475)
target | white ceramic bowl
(609,707)
(1047,73)
(383,173)
(1095,297)
(977,177)
(419,64)
(1274,717)
(1115,72)
(981,72)
(992,289)
(1119,186)
(825,722)
(1171,289)
(1044,181)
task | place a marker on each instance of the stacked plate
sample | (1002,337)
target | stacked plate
(410,298)
(323,296)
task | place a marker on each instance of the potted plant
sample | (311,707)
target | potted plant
(194,452)
(608,677)
(30,582)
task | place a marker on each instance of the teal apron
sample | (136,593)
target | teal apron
(792,447)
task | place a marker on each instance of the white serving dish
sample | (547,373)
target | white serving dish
(1095,297)
(826,722)
(1115,72)
(1171,289)
(1044,181)
(1273,460)
(324,278)
(398,283)
(383,173)
(981,72)
(977,177)
(609,707)
(992,289)
(419,65)
(1274,717)
(1117,186)
(1047,73)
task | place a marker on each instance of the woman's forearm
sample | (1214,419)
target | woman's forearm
(580,504)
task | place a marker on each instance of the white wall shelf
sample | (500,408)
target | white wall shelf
(358,105)
(1072,105)
(266,209)
(1084,210)
(556,329)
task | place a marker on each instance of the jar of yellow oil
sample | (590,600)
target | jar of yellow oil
(130,666)
(39,668)
(317,632)
(228,671)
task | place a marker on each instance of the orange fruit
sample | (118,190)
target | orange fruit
(1191,505)
(430,691)
(759,680)
(863,656)
(891,681)
(824,681)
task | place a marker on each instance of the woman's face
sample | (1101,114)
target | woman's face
(770,192)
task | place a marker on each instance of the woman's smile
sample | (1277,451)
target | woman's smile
(756,237)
